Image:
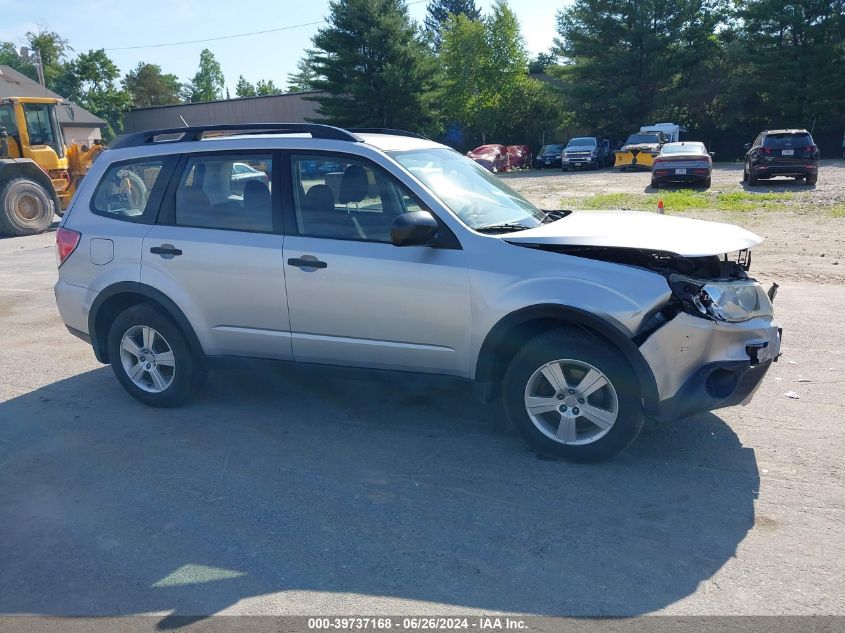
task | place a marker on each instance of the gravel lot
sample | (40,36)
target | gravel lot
(307,490)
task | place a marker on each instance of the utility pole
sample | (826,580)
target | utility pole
(34,57)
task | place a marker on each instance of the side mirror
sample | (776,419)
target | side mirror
(747,146)
(417,228)
(712,154)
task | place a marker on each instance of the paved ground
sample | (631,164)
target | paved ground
(317,491)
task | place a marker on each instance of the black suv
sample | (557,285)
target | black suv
(549,156)
(781,153)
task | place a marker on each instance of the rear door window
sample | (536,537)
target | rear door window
(226,191)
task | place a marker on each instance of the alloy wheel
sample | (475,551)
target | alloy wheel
(147,359)
(571,402)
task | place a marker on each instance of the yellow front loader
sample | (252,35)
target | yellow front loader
(38,172)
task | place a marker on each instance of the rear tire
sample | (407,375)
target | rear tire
(26,208)
(707,182)
(151,358)
(753,181)
(811,180)
(583,360)
(655,184)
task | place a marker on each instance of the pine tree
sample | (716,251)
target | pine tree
(624,62)
(374,67)
(438,12)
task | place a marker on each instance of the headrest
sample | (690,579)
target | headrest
(354,185)
(319,198)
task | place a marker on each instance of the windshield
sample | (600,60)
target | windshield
(582,142)
(651,137)
(472,193)
(551,149)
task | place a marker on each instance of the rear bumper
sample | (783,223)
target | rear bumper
(670,177)
(774,169)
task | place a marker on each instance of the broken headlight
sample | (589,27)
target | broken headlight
(727,301)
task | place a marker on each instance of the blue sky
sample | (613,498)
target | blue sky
(92,24)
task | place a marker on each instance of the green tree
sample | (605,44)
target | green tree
(208,83)
(305,76)
(243,88)
(373,65)
(438,12)
(9,57)
(788,57)
(91,81)
(266,88)
(148,86)
(624,62)
(487,89)
(53,49)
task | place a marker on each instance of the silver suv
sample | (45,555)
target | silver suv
(382,249)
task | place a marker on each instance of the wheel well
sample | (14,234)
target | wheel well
(511,333)
(105,316)
(26,168)
(118,298)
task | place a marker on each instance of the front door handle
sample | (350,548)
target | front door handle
(167,251)
(306,261)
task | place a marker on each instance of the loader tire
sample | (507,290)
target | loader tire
(25,207)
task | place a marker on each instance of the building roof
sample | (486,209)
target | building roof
(14,84)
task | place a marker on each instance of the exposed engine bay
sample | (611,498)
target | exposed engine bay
(711,267)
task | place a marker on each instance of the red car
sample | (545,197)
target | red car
(519,156)
(492,157)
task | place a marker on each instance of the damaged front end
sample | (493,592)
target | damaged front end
(712,342)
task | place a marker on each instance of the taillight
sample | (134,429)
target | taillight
(767,151)
(657,161)
(66,242)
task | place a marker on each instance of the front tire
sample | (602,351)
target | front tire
(26,208)
(573,395)
(151,358)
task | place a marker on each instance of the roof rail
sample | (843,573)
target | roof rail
(385,130)
(196,133)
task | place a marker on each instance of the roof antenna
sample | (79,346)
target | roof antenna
(184,121)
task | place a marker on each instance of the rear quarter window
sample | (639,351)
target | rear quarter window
(131,190)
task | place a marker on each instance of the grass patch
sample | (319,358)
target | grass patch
(838,211)
(688,200)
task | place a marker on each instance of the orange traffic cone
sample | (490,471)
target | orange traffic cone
(660,205)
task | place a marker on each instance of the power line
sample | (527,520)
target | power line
(229,37)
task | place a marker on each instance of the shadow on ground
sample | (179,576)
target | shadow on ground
(329,481)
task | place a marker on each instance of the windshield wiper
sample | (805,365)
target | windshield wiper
(553,216)
(505,227)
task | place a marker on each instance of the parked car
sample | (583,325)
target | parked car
(687,161)
(781,153)
(423,262)
(519,157)
(585,151)
(243,173)
(548,156)
(492,157)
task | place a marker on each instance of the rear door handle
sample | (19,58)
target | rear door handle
(167,251)
(306,261)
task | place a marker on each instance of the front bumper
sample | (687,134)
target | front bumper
(547,161)
(700,365)
(577,161)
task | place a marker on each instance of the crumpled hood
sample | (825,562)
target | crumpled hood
(640,229)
